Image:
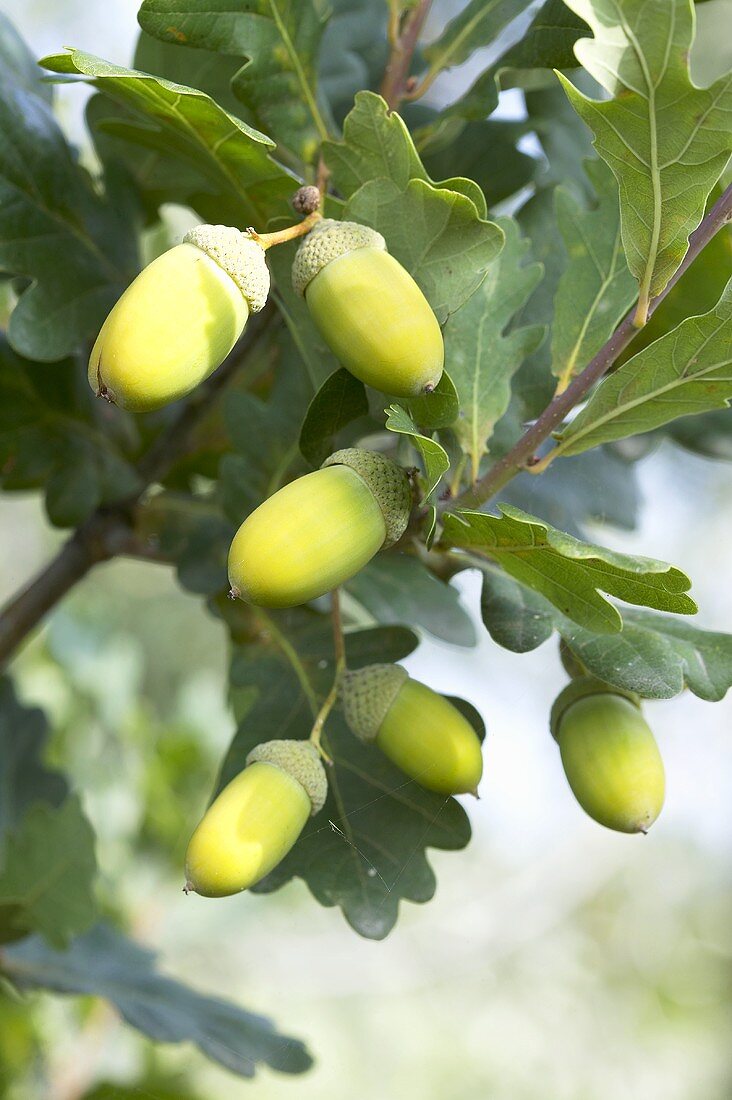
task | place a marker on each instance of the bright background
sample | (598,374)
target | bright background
(558,961)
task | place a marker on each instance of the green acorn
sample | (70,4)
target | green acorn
(368,309)
(610,755)
(256,819)
(420,731)
(319,530)
(179,319)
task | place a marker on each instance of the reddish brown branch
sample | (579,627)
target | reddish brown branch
(396,74)
(520,456)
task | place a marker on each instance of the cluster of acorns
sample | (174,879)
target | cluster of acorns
(172,327)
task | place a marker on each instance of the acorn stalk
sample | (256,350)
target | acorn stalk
(368,309)
(417,729)
(179,319)
(609,754)
(319,530)
(254,822)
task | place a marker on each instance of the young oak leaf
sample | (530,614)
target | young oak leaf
(596,288)
(689,370)
(278,43)
(655,656)
(191,128)
(377,144)
(433,454)
(665,140)
(482,354)
(570,573)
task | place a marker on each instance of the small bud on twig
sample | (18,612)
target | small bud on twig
(306,200)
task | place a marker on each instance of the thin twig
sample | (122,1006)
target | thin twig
(321,182)
(29,606)
(291,233)
(394,86)
(521,455)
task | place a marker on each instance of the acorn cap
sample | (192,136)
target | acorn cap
(366,695)
(388,483)
(326,241)
(301,762)
(239,255)
(582,688)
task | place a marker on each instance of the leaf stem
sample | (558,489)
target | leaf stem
(395,85)
(477,560)
(641,315)
(424,85)
(457,476)
(541,464)
(339,642)
(522,455)
(292,656)
(340,667)
(392,28)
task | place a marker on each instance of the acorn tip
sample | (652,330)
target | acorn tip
(105,394)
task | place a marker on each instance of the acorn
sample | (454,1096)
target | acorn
(609,754)
(419,730)
(252,825)
(319,530)
(368,309)
(179,319)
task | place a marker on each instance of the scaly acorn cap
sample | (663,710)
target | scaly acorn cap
(326,241)
(366,695)
(301,761)
(239,255)
(581,688)
(388,483)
